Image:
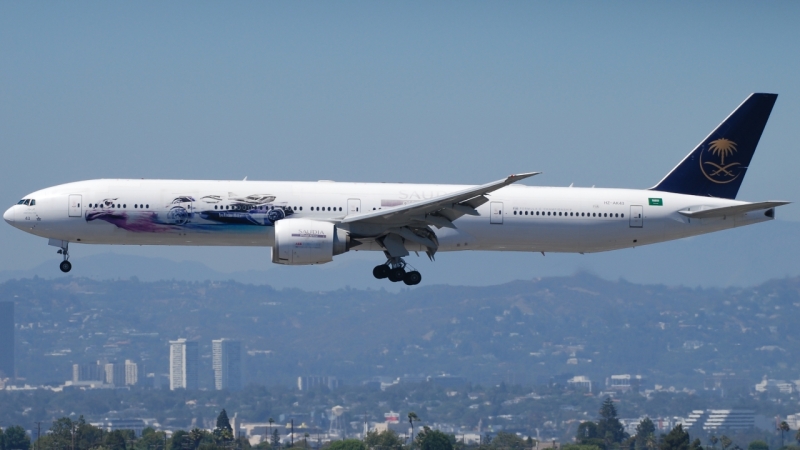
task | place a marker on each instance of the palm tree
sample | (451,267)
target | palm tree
(713,439)
(271,421)
(412,417)
(783,428)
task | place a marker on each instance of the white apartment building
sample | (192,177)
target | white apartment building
(721,419)
(183,361)
(131,373)
(227,363)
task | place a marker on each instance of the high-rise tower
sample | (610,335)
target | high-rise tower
(227,362)
(182,364)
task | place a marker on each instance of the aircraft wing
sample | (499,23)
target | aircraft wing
(439,211)
(731,210)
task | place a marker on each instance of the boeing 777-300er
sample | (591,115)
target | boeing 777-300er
(311,222)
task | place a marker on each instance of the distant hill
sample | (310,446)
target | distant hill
(520,332)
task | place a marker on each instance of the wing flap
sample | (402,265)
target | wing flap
(731,210)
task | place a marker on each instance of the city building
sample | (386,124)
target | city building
(7,340)
(88,372)
(720,419)
(580,381)
(115,374)
(114,424)
(131,373)
(183,360)
(775,386)
(227,363)
(306,383)
(625,382)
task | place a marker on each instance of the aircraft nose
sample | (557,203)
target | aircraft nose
(8,216)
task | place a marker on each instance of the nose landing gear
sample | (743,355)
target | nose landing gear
(395,270)
(65,265)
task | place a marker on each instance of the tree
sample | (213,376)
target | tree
(725,441)
(713,440)
(644,431)
(271,421)
(783,427)
(609,427)
(387,440)
(178,437)
(509,441)
(223,431)
(276,439)
(15,438)
(696,445)
(114,440)
(677,439)
(758,445)
(151,440)
(412,417)
(347,444)
(434,440)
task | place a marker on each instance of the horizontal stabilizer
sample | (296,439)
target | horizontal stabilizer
(731,210)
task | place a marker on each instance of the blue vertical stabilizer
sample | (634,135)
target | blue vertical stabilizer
(718,165)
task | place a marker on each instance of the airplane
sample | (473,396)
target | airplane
(311,222)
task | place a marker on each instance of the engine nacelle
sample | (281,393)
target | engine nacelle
(304,241)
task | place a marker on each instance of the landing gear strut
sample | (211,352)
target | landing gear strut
(395,270)
(65,265)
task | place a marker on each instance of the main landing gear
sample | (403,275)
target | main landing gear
(395,270)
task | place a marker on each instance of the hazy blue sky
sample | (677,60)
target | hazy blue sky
(595,93)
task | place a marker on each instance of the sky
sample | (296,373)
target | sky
(590,93)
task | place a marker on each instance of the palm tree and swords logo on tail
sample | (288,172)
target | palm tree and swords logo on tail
(720,172)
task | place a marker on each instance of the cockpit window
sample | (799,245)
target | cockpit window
(27,201)
(33,202)
(21,202)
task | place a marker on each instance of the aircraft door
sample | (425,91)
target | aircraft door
(353,206)
(496,215)
(75,208)
(637,216)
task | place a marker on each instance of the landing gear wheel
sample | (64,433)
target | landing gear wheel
(65,266)
(381,272)
(397,274)
(412,278)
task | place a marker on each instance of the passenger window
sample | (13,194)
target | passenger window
(147,206)
(537,213)
(124,205)
(622,215)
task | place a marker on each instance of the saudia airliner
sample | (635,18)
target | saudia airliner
(311,222)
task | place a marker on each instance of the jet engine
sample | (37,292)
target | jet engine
(304,241)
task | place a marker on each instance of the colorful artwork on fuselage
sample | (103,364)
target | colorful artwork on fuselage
(185,213)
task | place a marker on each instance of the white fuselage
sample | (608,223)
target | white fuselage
(240,213)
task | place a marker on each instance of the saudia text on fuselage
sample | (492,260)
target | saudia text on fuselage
(309,233)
